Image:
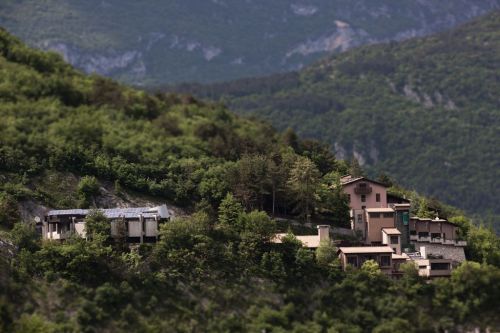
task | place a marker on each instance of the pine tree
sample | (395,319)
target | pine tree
(230,211)
(304,183)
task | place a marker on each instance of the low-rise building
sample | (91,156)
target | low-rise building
(137,225)
(355,256)
(309,241)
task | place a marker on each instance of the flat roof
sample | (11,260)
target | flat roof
(130,212)
(400,256)
(391,231)
(380,210)
(306,240)
(366,249)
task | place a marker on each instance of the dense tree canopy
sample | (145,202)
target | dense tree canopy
(63,135)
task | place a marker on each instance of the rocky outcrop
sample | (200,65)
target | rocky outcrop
(178,41)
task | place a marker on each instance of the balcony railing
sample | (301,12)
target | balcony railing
(448,242)
(413,237)
(363,189)
(461,243)
(424,238)
(436,240)
(56,235)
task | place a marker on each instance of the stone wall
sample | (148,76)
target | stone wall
(447,251)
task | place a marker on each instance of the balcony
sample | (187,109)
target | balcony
(439,272)
(424,238)
(56,235)
(436,240)
(461,243)
(448,242)
(413,237)
(363,189)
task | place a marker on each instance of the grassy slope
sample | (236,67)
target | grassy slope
(440,136)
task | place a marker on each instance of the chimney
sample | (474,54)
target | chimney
(423,252)
(323,232)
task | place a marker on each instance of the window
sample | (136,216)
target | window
(388,215)
(377,197)
(363,207)
(349,197)
(406,218)
(440,266)
(374,215)
(385,261)
(362,185)
(394,239)
(363,198)
(360,218)
(353,261)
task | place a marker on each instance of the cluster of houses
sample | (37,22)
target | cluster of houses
(390,236)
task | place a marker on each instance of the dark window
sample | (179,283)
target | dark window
(360,218)
(413,232)
(423,234)
(388,215)
(440,266)
(363,207)
(375,215)
(435,235)
(394,239)
(377,197)
(363,198)
(385,261)
(349,197)
(362,185)
(353,261)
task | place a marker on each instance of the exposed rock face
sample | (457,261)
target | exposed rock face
(341,40)
(105,63)
(187,40)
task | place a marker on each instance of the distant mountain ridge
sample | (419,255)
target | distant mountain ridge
(157,42)
(426,110)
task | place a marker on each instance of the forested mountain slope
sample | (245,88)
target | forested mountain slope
(427,111)
(63,134)
(151,42)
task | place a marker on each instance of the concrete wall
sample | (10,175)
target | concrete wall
(375,225)
(151,228)
(134,229)
(449,231)
(452,252)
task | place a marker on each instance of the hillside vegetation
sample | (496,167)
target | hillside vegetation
(156,42)
(426,111)
(63,134)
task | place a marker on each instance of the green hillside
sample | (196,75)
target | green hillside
(157,42)
(63,135)
(426,111)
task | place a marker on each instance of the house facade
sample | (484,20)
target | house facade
(383,219)
(136,225)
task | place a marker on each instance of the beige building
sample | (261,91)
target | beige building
(392,237)
(356,256)
(137,225)
(309,241)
